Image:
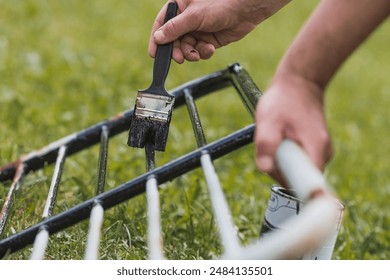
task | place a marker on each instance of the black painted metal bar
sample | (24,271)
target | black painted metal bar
(128,190)
(234,75)
(117,124)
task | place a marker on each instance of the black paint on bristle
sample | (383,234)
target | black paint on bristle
(146,130)
(137,133)
(161,135)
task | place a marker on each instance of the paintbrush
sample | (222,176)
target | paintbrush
(153,106)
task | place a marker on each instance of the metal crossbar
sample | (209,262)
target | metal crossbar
(94,208)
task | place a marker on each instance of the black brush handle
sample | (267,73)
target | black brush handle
(163,57)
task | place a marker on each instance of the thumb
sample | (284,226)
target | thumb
(174,29)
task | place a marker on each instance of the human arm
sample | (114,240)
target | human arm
(203,26)
(292,107)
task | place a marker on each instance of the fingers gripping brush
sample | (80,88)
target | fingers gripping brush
(153,107)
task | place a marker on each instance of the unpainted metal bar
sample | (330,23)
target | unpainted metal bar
(195,119)
(55,183)
(150,156)
(129,189)
(7,206)
(42,238)
(97,213)
(246,87)
(103,156)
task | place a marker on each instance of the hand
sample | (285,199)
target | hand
(291,108)
(202,26)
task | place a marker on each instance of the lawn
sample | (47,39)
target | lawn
(65,65)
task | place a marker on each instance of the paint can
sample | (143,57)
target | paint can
(283,205)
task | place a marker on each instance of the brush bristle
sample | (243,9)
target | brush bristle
(145,130)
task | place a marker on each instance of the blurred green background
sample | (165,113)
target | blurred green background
(65,65)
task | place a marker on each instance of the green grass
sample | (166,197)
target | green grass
(65,65)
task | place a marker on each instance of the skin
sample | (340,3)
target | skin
(293,105)
(202,26)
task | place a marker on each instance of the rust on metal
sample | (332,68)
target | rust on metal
(8,171)
(7,207)
(118,116)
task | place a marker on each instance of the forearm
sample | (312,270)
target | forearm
(334,31)
(259,10)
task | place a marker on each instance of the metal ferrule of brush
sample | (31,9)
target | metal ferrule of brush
(154,107)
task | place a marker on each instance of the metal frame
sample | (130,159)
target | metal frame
(309,230)
(58,151)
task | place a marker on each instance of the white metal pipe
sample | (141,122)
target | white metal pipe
(40,244)
(42,238)
(95,225)
(227,230)
(316,223)
(154,221)
(298,170)
(300,235)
